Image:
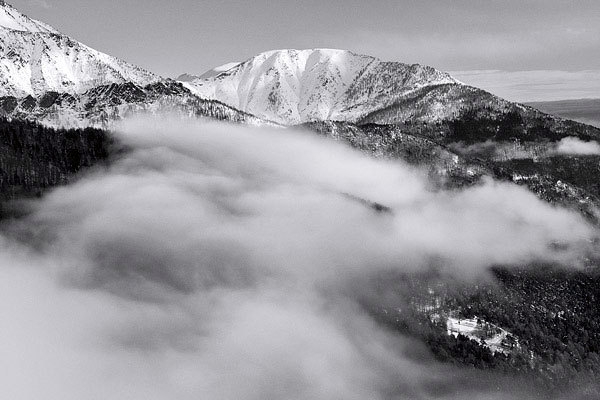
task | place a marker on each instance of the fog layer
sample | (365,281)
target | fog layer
(215,261)
(575,146)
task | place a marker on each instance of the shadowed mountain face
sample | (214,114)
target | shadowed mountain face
(586,111)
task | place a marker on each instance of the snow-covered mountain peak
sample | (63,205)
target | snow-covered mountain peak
(218,70)
(208,74)
(36,58)
(12,19)
(186,77)
(294,86)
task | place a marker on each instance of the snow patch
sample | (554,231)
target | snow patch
(489,335)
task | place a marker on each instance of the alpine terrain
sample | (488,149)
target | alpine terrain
(52,78)
(414,112)
(36,58)
(60,101)
(295,86)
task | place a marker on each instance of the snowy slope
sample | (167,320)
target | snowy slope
(36,58)
(186,78)
(10,18)
(295,86)
(208,74)
(216,71)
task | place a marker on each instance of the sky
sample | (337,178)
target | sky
(495,38)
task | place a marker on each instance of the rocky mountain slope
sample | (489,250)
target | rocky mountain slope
(410,112)
(208,74)
(36,58)
(103,106)
(52,79)
(296,86)
(458,133)
(388,109)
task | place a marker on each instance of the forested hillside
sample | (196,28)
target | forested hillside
(34,157)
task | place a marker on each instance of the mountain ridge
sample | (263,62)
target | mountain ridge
(295,86)
(36,58)
(459,135)
(286,87)
(11,18)
(104,106)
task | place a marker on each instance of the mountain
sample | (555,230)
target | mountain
(102,106)
(570,181)
(36,58)
(186,78)
(208,74)
(10,18)
(424,116)
(296,86)
(388,109)
(458,133)
(586,111)
(50,78)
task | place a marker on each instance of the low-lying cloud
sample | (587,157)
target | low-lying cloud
(575,146)
(214,261)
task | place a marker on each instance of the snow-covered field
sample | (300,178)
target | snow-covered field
(489,335)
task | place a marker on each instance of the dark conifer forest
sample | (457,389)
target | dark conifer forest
(34,157)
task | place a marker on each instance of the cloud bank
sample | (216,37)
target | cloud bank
(217,261)
(575,146)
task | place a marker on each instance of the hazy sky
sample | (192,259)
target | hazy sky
(172,37)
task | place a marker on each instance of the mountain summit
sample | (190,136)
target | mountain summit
(296,86)
(12,19)
(36,58)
